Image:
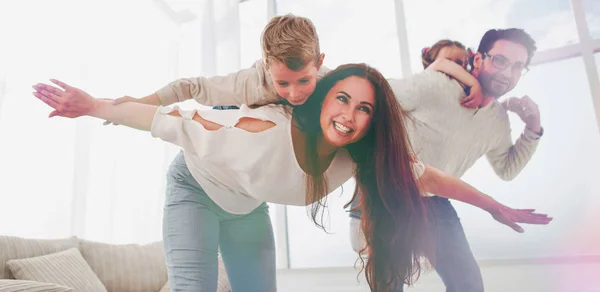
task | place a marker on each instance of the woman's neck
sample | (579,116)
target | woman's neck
(324,149)
(306,157)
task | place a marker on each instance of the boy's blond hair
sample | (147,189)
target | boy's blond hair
(291,40)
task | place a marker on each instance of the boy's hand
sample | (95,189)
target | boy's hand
(120,100)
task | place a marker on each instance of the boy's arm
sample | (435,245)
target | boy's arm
(243,87)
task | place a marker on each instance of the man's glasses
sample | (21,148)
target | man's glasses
(501,62)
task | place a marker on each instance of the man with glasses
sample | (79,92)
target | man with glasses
(498,66)
(452,138)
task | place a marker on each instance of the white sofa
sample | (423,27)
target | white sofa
(73,264)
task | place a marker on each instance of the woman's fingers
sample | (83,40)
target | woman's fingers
(531,218)
(514,226)
(50,88)
(61,84)
(55,113)
(52,103)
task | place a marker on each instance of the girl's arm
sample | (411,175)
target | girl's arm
(454,70)
(459,73)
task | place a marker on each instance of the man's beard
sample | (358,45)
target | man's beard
(493,85)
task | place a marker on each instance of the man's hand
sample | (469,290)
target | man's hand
(526,109)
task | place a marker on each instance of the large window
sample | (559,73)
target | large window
(253,18)
(551,23)
(310,246)
(561,178)
(36,160)
(45,162)
(592,15)
(352,31)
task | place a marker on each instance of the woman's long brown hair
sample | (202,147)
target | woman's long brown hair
(394,219)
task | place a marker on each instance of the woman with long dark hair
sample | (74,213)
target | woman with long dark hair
(350,126)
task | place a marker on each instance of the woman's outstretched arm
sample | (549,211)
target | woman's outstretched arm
(436,182)
(191,132)
(72,102)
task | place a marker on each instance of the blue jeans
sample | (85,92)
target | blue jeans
(454,260)
(194,228)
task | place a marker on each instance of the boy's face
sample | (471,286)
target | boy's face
(295,86)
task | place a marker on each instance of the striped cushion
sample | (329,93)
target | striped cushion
(127,267)
(20,248)
(67,268)
(31,286)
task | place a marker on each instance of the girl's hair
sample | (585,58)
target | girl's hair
(394,218)
(428,55)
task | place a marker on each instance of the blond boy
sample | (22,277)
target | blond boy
(290,66)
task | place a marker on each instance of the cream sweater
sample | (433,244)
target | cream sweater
(251,86)
(444,134)
(452,138)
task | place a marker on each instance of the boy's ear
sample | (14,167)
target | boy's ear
(320,62)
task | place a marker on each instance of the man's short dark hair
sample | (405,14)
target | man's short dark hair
(515,35)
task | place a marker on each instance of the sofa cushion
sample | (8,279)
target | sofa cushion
(31,286)
(19,248)
(67,268)
(127,267)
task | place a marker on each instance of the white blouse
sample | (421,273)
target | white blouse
(238,169)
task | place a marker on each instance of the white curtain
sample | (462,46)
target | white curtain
(62,177)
